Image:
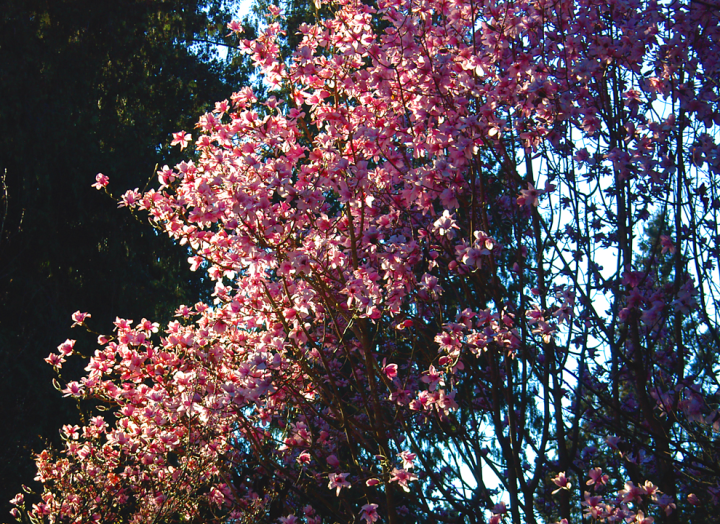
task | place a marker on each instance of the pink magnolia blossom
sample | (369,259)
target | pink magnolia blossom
(79,318)
(530,196)
(402,477)
(55,360)
(445,225)
(597,478)
(632,493)
(666,504)
(333,461)
(66,348)
(337,482)
(101,181)
(234,27)
(408,459)
(561,482)
(390,370)
(73,389)
(369,513)
(181,138)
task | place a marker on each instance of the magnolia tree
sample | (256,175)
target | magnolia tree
(465,265)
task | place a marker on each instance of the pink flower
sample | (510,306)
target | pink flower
(402,477)
(55,360)
(593,505)
(66,348)
(165,176)
(650,488)
(337,481)
(369,513)
(122,323)
(73,389)
(390,370)
(195,262)
(535,315)
(562,482)
(41,508)
(597,478)
(666,504)
(445,225)
(148,327)
(183,311)
(408,459)
(101,181)
(130,198)
(333,461)
(235,27)
(446,401)
(432,377)
(612,442)
(529,197)
(181,138)
(631,492)
(79,318)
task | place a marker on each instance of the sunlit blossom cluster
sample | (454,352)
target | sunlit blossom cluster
(410,316)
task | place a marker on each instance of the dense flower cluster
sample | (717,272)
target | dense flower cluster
(411,318)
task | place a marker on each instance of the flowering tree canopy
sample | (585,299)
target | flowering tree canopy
(466,270)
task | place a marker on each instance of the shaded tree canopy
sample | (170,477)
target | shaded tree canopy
(88,86)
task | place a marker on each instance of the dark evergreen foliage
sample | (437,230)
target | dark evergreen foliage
(88,86)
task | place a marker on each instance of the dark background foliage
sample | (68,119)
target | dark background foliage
(88,87)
